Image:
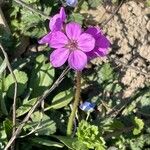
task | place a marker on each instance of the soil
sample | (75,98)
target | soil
(129,33)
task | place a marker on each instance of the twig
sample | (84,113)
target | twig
(15,90)
(123,130)
(20,2)
(103,23)
(129,66)
(35,128)
(40,99)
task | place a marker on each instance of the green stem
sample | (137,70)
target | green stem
(75,105)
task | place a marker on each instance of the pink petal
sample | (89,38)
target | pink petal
(58,39)
(102,52)
(55,23)
(59,56)
(102,42)
(77,60)
(45,39)
(91,55)
(62,14)
(94,31)
(86,42)
(73,30)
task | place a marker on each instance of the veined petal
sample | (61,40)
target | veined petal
(45,39)
(62,14)
(101,52)
(77,60)
(55,23)
(73,30)
(102,42)
(59,56)
(94,31)
(58,39)
(86,42)
(91,55)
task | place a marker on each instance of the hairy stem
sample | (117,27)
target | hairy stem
(75,105)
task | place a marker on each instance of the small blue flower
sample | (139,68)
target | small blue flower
(87,106)
(71,3)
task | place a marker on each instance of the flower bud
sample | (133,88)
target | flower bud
(71,3)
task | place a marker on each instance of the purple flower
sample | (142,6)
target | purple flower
(72,46)
(71,3)
(87,106)
(55,24)
(101,43)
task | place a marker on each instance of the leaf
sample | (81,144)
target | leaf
(66,140)
(84,6)
(3,107)
(76,17)
(113,87)
(61,100)
(25,107)
(47,126)
(46,142)
(144,102)
(42,76)
(94,3)
(3,137)
(139,125)
(106,72)
(9,82)
(8,128)
(3,65)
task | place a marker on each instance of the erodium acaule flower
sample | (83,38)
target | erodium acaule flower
(55,24)
(101,43)
(71,45)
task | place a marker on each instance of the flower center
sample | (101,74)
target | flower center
(72,45)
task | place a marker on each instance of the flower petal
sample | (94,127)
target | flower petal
(71,3)
(62,14)
(77,60)
(58,39)
(59,56)
(94,31)
(86,42)
(45,39)
(102,42)
(101,52)
(73,30)
(55,23)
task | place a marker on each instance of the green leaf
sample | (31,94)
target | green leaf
(66,141)
(148,3)
(9,83)
(84,6)
(46,126)
(3,99)
(25,107)
(3,65)
(61,100)
(3,137)
(139,125)
(106,72)
(89,135)
(42,76)
(46,142)
(94,3)
(113,88)
(8,128)
(76,17)
(144,102)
